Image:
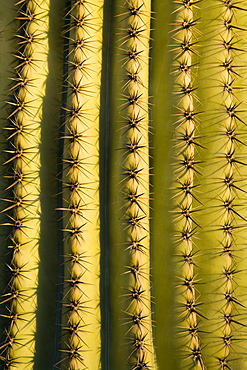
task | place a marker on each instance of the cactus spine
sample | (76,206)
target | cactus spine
(23,208)
(228,213)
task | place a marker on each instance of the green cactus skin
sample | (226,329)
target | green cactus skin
(224,116)
(162,128)
(23,208)
(81,329)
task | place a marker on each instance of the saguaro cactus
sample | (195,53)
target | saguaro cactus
(123,184)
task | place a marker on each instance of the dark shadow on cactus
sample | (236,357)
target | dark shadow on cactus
(104,185)
(48,313)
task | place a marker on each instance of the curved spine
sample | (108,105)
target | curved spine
(80,347)
(23,208)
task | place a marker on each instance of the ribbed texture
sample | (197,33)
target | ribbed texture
(23,208)
(80,342)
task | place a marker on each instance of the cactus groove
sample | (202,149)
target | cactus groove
(123,185)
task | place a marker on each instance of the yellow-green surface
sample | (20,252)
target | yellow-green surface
(123,223)
(223,236)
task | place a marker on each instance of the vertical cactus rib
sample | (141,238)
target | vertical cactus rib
(80,347)
(186,143)
(23,207)
(134,34)
(232,218)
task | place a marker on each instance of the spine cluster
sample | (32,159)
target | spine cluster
(23,205)
(232,219)
(135,183)
(80,330)
(186,145)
